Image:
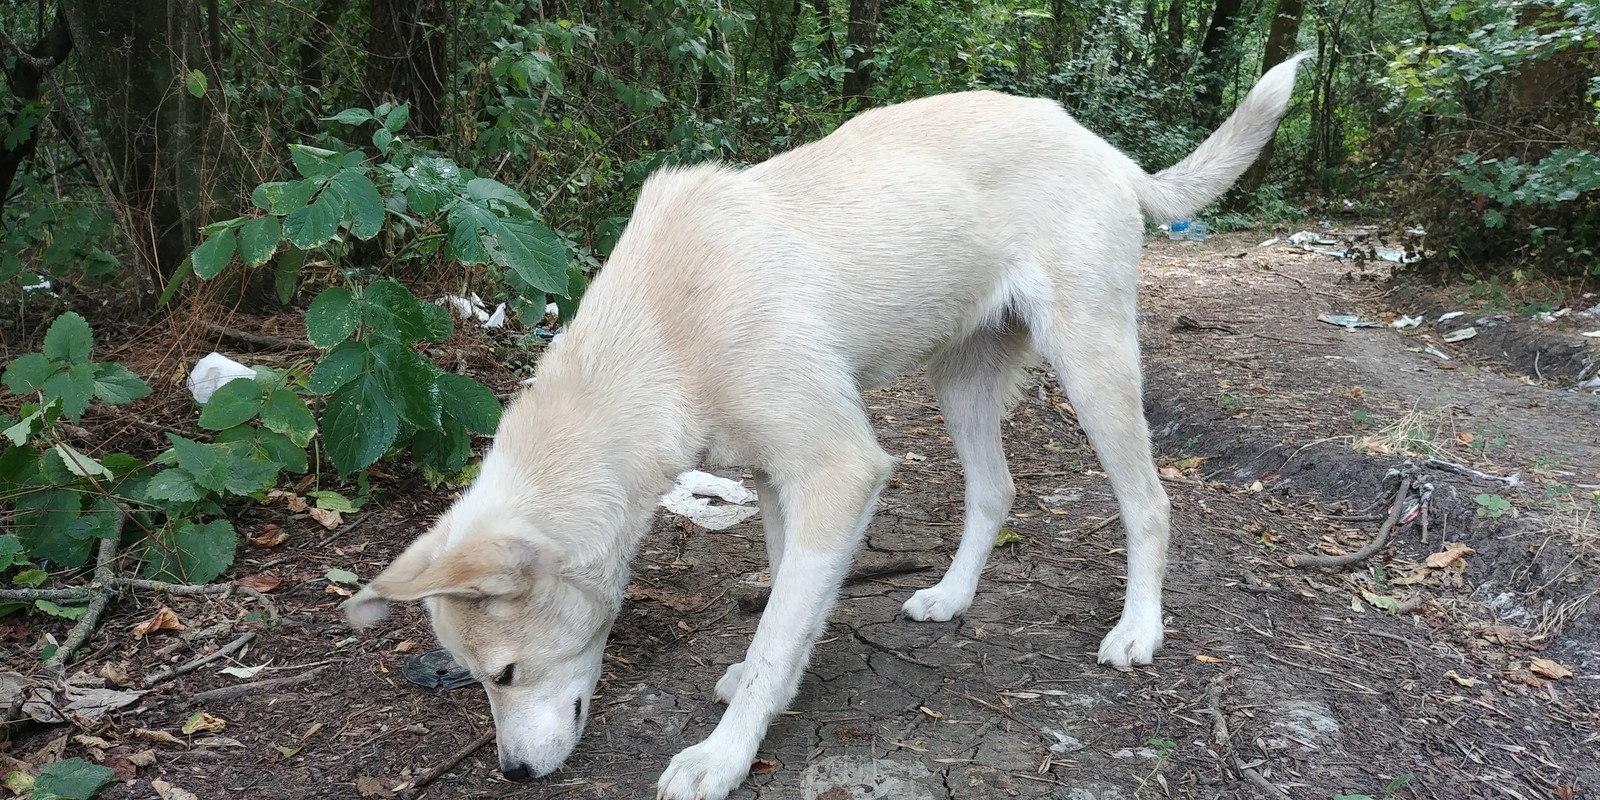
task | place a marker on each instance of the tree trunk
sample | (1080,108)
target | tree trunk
(153,129)
(406,61)
(860,36)
(1281,38)
(26,81)
(830,46)
(1172,49)
(1211,51)
(786,15)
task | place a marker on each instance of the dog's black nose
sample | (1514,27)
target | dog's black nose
(518,773)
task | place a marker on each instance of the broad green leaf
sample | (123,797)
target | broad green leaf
(333,501)
(285,413)
(283,197)
(23,430)
(382,139)
(313,162)
(207,464)
(248,474)
(467,221)
(117,385)
(10,550)
(74,386)
(30,577)
(410,383)
(343,576)
(340,366)
(469,402)
(286,454)
(391,312)
(190,553)
(488,189)
(27,374)
(446,450)
(195,82)
(350,116)
(103,521)
(577,284)
(213,255)
(233,403)
(316,224)
(65,612)
(80,464)
(358,424)
(332,317)
(531,250)
(69,339)
(258,240)
(287,276)
(441,323)
(214,228)
(173,484)
(43,521)
(53,469)
(397,118)
(363,204)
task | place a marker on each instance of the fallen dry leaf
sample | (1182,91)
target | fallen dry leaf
(372,787)
(157,737)
(1445,557)
(164,620)
(1550,669)
(1354,391)
(405,646)
(203,721)
(334,588)
(1169,471)
(296,503)
(167,791)
(264,582)
(762,766)
(270,536)
(1203,658)
(1467,682)
(930,712)
(143,758)
(116,673)
(326,517)
(1465,437)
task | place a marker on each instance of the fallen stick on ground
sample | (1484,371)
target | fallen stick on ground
(1514,479)
(757,600)
(448,764)
(1377,543)
(104,561)
(242,689)
(1224,740)
(182,669)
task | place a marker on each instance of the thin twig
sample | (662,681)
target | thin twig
(256,339)
(1224,740)
(242,689)
(1377,543)
(448,764)
(1514,479)
(105,560)
(183,669)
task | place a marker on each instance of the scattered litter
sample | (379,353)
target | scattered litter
(1592,334)
(1307,237)
(1269,242)
(1436,353)
(474,308)
(1347,321)
(1460,335)
(1549,669)
(81,698)
(1405,323)
(1329,246)
(1450,315)
(1552,316)
(436,670)
(1178,229)
(211,372)
(687,498)
(551,308)
(39,285)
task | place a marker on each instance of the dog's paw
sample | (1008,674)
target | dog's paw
(1133,641)
(728,684)
(703,772)
(938,603)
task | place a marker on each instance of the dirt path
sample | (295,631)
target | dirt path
(1271,677)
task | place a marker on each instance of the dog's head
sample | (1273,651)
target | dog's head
(503,608)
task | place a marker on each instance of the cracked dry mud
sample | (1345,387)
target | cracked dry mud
(1320,692)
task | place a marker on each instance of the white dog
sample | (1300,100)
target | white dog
(738,321)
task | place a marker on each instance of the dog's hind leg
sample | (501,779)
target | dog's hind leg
(829,482)
(1091,338)
(772,524)
(971,380)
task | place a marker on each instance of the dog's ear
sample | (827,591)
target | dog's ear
(488,565)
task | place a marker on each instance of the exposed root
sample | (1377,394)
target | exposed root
(183,669)
(1377,543)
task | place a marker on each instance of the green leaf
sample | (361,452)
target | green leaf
(333,501)
(207,463)
(175,485)
(531,250)
(258,240)
(343,576)
(80,464)
(233,403)
(248,474)
(466,221)
(1006,536)
(382,139)
(577,284)
(350,116)
(69,339)
(313,162)
(410,383)
(195,82)
(10,550)
(283,452)
(469,402)
(103,521)
(190,553)
(358,424)
(283,197)
(287,277)
(340,366)
(285,413)
(441,323)
(362,202)
(27,374)
(332,317)
(397,118)
(65,612)
(213,255)
(29,577)
(317,224)
(42,523)
(445,451)
(488,189)
(391,312)
(117,385)
(74,387)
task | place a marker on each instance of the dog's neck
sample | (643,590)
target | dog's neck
(588,449)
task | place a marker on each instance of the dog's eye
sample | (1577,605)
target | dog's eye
(505,675)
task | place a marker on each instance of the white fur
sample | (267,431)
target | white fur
(739,319)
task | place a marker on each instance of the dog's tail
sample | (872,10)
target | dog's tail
(1193,183)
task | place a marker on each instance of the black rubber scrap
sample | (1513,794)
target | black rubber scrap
(436,670)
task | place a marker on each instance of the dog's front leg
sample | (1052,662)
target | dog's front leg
(826,520)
